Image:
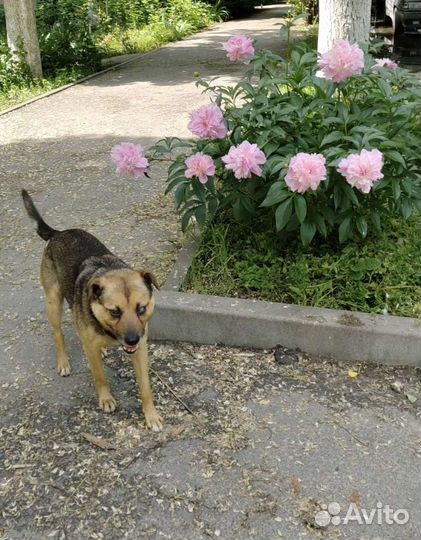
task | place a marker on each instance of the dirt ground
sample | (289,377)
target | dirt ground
(254,444)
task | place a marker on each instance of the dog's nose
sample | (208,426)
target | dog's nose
(132,339)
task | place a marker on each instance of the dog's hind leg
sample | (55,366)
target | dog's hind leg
(54,302)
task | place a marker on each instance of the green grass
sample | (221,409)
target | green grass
(381,274)
(140,40)
(17,94)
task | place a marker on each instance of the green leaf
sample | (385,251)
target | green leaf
(328,214)
(213,204)
(375,218)
(384,86)
(295,57)
(332,137)
(337,196)
(395,156)
(276,194)
(283,214)
(185,219)
(396,189)
(180,195)
(300,206)
(350,193)
(307,58)
(200,214)
(343,112)
(199,190)
(345,229)
(270,148)
(320,224)
(406,208)
(175,169)
(175,182)
(362,226)
(307,232)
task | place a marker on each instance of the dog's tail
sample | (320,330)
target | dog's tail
(44,230)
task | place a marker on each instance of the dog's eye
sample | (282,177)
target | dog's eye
(116,313)
(141,310)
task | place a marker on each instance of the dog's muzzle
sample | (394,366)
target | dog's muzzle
(131,343)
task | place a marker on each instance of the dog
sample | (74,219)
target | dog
(111,305)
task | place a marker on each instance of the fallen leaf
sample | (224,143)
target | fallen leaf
(352,374)
(176,430)
(356,499)
(295,484)
(264,402)
(98,441)
(411,398)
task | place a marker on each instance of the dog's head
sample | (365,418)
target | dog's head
(122,302)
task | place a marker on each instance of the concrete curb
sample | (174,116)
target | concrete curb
(337,334)
(182,265)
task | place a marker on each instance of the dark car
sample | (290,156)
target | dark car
(407,17)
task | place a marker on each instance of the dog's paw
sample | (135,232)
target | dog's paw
(107,403)
(63,369)
(153,420)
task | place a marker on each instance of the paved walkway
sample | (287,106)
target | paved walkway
(58,148)
(271,438)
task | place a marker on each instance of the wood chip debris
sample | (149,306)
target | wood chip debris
(98,441)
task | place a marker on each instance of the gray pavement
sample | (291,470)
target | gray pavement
(272,438)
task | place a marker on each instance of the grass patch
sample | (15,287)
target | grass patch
(381,274)
(17,94)
(141,40)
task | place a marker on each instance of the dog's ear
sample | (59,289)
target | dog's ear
(150,279)
(94,289)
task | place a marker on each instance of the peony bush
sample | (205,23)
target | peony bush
(310,146)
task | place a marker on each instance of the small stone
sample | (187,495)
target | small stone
(412,398)
(397,386)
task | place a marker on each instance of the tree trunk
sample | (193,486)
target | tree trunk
(343,19)
(22,33)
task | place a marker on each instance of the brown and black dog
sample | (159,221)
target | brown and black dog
(111,305)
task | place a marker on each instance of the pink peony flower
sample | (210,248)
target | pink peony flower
(200,165)
(342,61)
(305,171)
(385,62)
(239,48)
(362,170)
(244,160)
(130,159)
(208,122)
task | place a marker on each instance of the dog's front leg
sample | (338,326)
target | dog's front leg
(93,351)
(141,368)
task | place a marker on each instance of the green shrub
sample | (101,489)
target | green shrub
(178,19)
(65,35)
(284,108)
(13,73)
